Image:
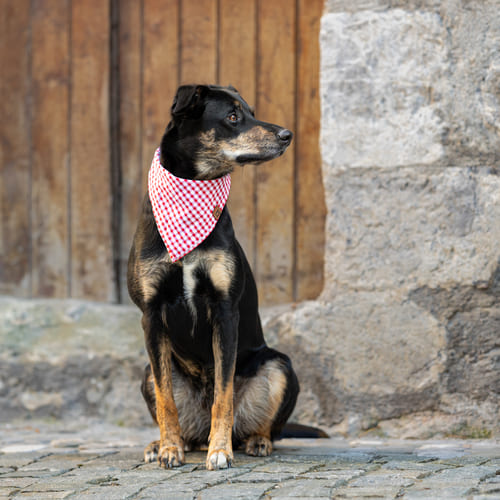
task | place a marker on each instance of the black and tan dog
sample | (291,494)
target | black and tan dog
(212,379)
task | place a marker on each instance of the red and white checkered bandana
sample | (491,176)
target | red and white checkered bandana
(186,211)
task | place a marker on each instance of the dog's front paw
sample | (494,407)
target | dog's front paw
(219,459)
(258,446)
(170,456)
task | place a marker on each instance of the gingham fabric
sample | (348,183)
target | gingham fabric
(186,211)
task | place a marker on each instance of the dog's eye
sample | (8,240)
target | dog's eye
(233,117)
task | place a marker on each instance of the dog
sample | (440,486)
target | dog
(212,380)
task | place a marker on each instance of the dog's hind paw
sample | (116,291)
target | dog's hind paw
(258,446)
(151,452)
(219,459)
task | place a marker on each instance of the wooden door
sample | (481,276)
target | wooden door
(91,84)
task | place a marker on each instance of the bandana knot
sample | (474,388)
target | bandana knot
(185,211)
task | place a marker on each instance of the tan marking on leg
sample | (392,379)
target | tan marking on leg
(277,387)
(171,450)
(220,450)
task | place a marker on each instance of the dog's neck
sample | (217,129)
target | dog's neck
(185,210)
(177,155)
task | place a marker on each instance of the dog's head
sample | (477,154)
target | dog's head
(213,130)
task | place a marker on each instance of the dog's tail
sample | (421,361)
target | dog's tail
(293,430)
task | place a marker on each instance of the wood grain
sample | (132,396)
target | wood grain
(310,202)
(275,180)
(50,135)
(15,151)
(198,62)
(160,74)
(130,84)
(237,67)
(91,248)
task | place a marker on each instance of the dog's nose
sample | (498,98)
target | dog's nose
(285,135)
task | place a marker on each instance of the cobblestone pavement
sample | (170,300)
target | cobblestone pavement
(93,460)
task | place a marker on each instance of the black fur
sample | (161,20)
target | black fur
(212,131)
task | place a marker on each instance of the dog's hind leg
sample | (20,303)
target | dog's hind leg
(148,393)
(263,404)
(151,451)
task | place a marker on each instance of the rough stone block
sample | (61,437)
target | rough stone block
(379,71)
(362,353)
(402,229)
(417,85)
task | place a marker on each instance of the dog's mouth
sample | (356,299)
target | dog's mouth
(256,158)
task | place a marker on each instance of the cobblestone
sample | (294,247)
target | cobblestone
(91,460)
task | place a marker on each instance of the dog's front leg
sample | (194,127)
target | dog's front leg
(171,449)
(224,345)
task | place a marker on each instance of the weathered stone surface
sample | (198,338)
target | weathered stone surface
(378,74)
(409,317)
(406,228)
(70,358)
(411,302)
(36,329)
(362,353)
(410,83)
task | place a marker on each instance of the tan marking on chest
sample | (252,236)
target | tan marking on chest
(218,265)
(150,273)
(221,270)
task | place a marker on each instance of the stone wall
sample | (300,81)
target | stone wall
(70,359)
(409,319)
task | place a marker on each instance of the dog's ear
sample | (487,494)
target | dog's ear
(189,102)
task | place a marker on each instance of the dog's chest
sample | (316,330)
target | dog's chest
(207,273)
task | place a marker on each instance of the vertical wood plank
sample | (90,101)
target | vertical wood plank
(237,67)
(275,180)
(15,178)
(160,74)
(130,74)
(310,203)
(114,146)
(50,74)
(91,260)
(199,41)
